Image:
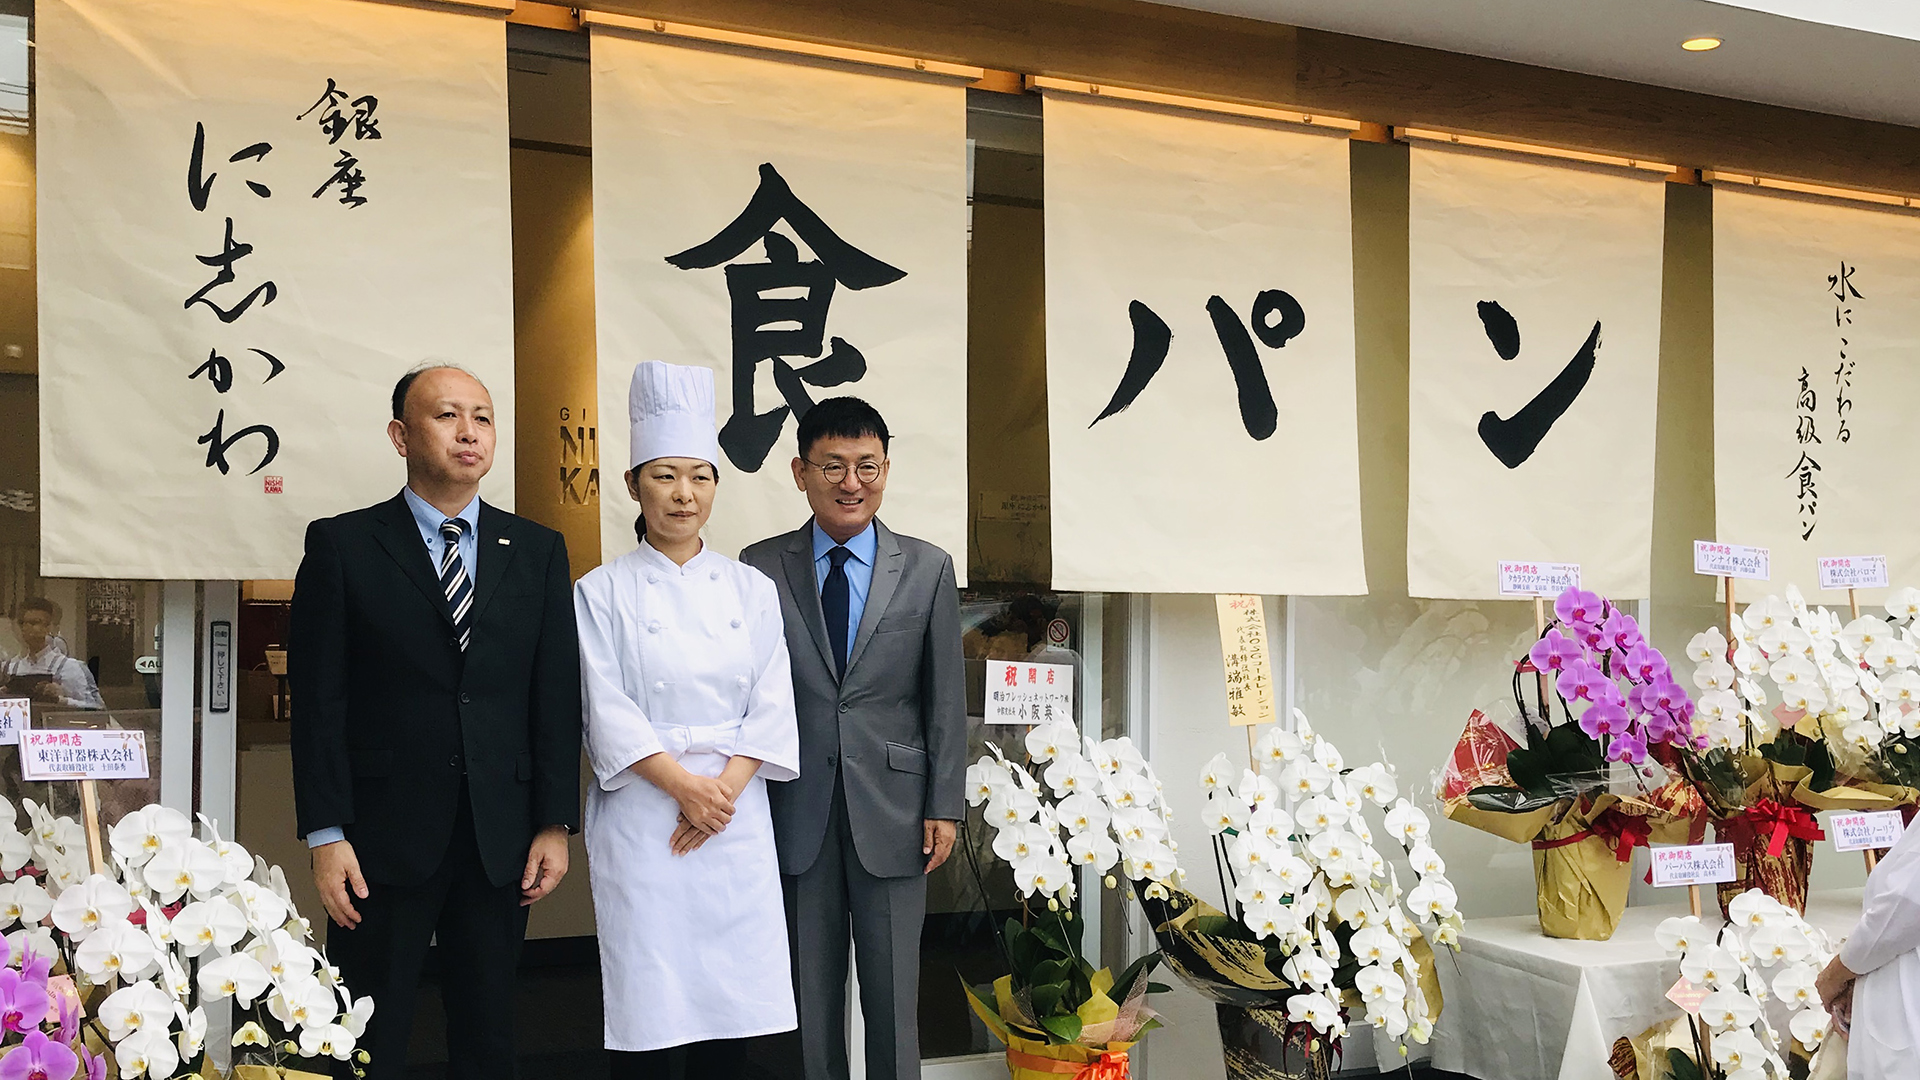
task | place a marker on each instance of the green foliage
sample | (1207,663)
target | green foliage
(1899,761)
(1680,1066)
(1547,767)
(1789,748)
(1049,966)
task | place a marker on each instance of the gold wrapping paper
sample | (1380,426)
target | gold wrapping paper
(1002,1019)
(1581,886)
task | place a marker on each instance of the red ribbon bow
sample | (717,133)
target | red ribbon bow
(1111,1066)
(1782,821)
(1624,832)
(1621,832)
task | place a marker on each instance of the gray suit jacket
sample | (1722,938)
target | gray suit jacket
(894,732)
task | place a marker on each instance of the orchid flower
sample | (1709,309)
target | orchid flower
(39,1058)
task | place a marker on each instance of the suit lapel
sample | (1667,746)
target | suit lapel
(494,552)
(400,535)
(798,561)
(886,577)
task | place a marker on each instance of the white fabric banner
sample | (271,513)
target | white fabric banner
(1534,310)
(1816,327)
(1222,249)
(254,216)
(799,226)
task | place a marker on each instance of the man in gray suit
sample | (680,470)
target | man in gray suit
(873,627)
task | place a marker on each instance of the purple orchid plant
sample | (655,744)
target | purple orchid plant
(1600,662)
(28,1005)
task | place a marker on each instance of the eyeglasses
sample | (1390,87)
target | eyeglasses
(836,472)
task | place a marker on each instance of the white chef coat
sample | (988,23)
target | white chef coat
(1884,950)
(690,661)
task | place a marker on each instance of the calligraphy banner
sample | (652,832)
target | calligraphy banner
(1534,315)
(1200,370)
(1816,324)
(254,216)
(799,226)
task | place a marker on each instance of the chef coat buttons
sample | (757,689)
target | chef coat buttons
(742,680)
(736,624)
(659,687)
(652,580)
(653,628)
(715,575)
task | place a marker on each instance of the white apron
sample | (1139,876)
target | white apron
(689,661)
(1884,949)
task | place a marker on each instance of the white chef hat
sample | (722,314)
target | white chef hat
(671,409)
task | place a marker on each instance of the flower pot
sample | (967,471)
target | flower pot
(1781,871)
(1043,1062)
(1261,1044)
(1580,880)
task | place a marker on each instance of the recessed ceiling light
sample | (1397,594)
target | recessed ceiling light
(1700,44)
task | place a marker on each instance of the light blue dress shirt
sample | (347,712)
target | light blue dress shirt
(865,548)
(429,519)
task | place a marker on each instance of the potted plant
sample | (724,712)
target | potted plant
(1099,807)
(1599,767)
(1319,935)
(112,969)
(1803,713)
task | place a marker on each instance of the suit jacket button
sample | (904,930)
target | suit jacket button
(844,707)
(831,759)
(465,699)
(453,642)
(454,762)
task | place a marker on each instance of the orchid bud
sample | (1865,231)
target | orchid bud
(1112,884)
(1052,904)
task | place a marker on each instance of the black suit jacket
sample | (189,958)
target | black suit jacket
(388,712)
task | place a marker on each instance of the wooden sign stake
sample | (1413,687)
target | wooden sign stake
(1871,856)
(1729,583)
(90,819)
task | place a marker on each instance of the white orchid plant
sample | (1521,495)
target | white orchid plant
(1849,690)
(1101,806)
(1306,881)
(1760,967)
(127,961)
(1097,806)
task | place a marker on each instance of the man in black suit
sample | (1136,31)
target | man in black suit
(436,729)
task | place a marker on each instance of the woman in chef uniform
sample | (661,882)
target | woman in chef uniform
(689,712)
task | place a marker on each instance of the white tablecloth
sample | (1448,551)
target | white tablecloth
(1523,1006)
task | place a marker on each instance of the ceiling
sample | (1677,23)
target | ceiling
(1857,58)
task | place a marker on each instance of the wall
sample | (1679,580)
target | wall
(557,470)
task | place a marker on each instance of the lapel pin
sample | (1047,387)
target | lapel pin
(504,540)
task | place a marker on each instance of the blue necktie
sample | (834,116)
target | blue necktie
(836,603)
(453,578)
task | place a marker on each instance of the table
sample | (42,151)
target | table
(1523,1006)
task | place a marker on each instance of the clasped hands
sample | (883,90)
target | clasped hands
(706,802)
(1835,987)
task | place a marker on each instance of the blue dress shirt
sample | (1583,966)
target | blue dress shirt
(429,519)
(865,548)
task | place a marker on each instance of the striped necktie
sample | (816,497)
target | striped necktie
(454,580)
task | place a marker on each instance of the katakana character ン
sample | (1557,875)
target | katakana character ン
(1513,439)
